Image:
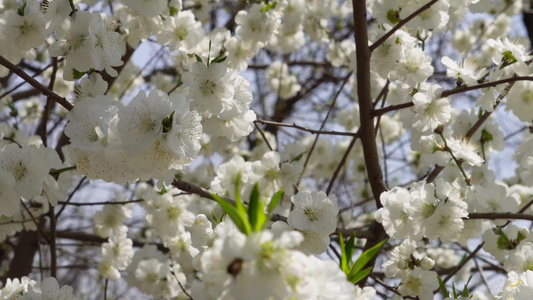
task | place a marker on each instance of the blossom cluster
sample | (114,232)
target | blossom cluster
(225,109)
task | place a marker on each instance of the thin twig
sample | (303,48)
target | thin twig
(330,132)
(35,221)
(263,135)
(100,203)
(340,165)
(308,156)
(459,266)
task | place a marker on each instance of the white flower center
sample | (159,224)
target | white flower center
(207,87)
(19,170)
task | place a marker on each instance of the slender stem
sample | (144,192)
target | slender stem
(35,221)
(332,132)
(340,165)
(459,266)
(457,162)
(53,250)
(263,135)
(308,156)
(59,171)
(105,289)
(48,106)
(100,203)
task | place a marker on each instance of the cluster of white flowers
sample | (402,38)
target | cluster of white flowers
(281,81)
(27,289)
(315,216)
(223,99)
(27,187)
(153,136)
(124,131)
(87,41)
(270,173)
(519,285)
(423,210)
(412,268)
(229,265)
(264,266)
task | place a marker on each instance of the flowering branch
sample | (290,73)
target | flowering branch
(400,24)
(447,93)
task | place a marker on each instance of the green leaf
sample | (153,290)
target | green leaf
(298,157)
(349,248)
(238,201)
(209,54)
(466,292)
(256,210)
(163,190)
(198,58)
(269,6)
(365,257)
(172,10)
(443,288)
(21,9)
(167,122)
(344,261)
(238,218)
(220,58)
(355,278)
(214,217)
(274,201)
(77,74)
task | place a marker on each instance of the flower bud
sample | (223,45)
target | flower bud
(427,263)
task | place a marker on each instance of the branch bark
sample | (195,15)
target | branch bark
(367,130)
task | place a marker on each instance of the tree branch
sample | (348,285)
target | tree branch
(400,25)
(44,90)
(367,130)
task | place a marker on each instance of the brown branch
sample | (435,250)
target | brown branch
(263,135)
(99,203)
(459,266)
(367,130)
(109,79)
(496,216)
(436,171)
(455,91)
(340,165)
(53,248)
(399,25)
(48,106)
(332,132)
(85,237)
(195,189)
(308,156)
(39,72)
(44,90)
